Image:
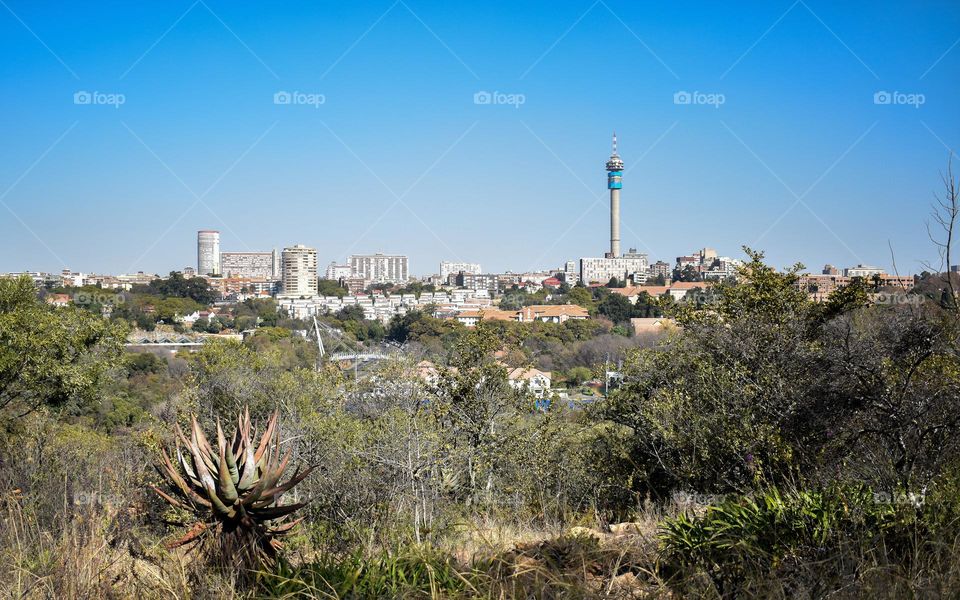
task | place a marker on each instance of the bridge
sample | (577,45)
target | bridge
(150,339)
(358,356)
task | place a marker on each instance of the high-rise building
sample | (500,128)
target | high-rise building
(299,271)
(661,268)
(208,252)
(448,268)
(254,265)
(571,272)
(381,268)
(601,270)
(614,184)
(337,272)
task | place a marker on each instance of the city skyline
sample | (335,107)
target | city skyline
(814,132)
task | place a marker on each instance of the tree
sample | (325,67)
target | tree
(578,375)
(581,296)
(616,307)
(177,286)
(688,273)
(354,312)
(946,213)
(478,407)
(616,283)
(646,306)
(329,287)
(53,357)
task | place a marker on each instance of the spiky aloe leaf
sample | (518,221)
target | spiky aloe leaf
(265,441)
(194,534)
(180,483)
(248,476)
(227,460)
(279,490)
(226,488)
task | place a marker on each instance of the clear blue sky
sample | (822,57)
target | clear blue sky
(400,159)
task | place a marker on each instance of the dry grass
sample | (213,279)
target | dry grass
(93,556)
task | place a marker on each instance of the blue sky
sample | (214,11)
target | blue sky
(784,147)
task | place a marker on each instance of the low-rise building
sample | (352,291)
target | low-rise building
(865,271)
(545,313)
(651,325)
(533,380)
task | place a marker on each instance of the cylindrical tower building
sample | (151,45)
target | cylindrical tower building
(614,183)
(208,252)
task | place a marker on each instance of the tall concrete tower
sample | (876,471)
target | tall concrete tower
(208,252)
(614,183)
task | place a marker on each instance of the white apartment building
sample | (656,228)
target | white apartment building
(448,268)
(381,268)
(299,272)
(337,272)
(601,270)
(865,271)
(571,274)
(255,265)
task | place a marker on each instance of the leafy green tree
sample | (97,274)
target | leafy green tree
(177,286)
(478,407)
(616,307)
(581,296)
(647,306)
(51,357)
(353,312)
(329,287)
(578,375)
(688,273)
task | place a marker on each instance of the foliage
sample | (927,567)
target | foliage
(177,286)
(233,490)
(742,540)
(329,287)
(50,357)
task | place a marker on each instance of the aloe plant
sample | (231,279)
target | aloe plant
(234,491)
